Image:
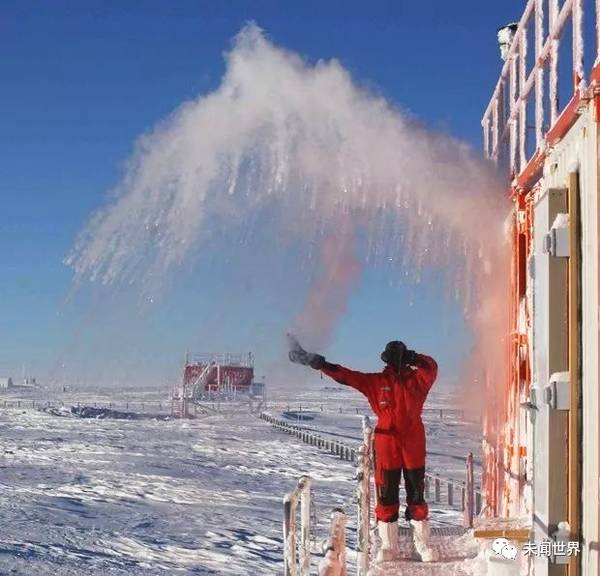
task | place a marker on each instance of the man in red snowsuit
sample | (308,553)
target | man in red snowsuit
(396,395)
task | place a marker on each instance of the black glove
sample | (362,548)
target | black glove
(299,355)
(317,361)
(410,358)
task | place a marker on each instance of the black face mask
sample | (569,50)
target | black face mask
(394,353)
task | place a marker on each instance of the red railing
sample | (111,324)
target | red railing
(222,358)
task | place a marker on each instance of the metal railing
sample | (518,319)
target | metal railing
(363,496)
(439,490)
(505,121)
(341,449)
(222,358)
(334,562)
(290,504)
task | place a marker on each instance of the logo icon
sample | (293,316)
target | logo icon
(503,547)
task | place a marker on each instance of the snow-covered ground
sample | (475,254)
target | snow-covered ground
(204,496)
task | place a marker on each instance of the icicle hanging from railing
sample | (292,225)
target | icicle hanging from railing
(506,131)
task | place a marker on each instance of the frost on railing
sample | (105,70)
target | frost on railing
(363,490)
(293,567)
(506,121)
(222,358)
(334,562)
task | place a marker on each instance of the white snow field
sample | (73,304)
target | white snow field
(115,497)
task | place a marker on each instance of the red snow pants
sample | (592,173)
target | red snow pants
(395,458)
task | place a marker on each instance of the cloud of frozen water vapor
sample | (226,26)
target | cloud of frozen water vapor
(279,130)
(328,296)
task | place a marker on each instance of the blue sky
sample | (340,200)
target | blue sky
(81,80)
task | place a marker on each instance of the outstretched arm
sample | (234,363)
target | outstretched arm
(340,374)
(358,380)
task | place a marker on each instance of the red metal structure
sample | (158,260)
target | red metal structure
(212,376)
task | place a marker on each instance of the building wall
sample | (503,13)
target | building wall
(548,448)
(577,152)
(590,344)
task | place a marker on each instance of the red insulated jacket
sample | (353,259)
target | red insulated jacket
(397,400)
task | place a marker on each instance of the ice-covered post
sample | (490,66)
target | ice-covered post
(469,507)
(334,563)
(363,473)
(290,504)
(450,490)
(305,529)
